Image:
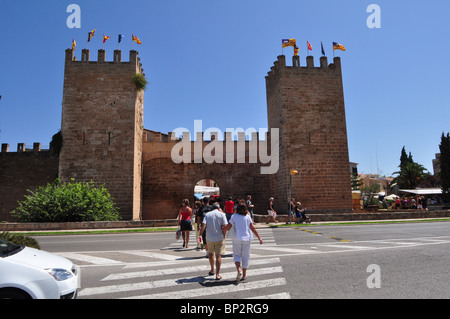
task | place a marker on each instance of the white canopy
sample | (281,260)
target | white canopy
(423,191)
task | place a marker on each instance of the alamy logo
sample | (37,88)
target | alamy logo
(374,279)
(220,151)
(74,20)
(374,19)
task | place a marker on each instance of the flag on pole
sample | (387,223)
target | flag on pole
(121,36)
(309,46)
(91,35)
(74,44)
(296,49)
(288,43)
(337,46)
(105,38)
(323,51)
(136,39)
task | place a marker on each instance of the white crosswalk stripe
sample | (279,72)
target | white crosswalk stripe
(172,282)
(172,272)
(210,291)
(90,259)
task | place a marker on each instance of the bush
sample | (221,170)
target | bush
(67,202)
(140,81)
(20,240)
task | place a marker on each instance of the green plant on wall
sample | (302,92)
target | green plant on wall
(140,81)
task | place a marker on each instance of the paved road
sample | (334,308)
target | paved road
(358,261)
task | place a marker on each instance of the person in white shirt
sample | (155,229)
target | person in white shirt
(243,229)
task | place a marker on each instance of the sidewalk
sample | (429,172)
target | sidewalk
(260,222)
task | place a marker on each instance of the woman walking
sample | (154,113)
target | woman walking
(243,229)
(184,221)
(271,213)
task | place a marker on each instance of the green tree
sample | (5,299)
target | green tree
(369,194)
(444,162)
(410,175)
(67,202)
(355,181)
(404,159)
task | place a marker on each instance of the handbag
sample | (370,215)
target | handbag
(178,233)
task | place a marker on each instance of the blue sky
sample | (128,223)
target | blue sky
(207,60)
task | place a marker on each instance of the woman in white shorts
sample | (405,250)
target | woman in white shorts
(243,229)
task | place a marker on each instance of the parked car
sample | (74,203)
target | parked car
(28,273)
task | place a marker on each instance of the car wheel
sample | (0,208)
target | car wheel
(13,294)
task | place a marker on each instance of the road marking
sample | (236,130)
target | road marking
(172,282)
(89,259)
(348,246)
(289,250)
(172,271)
(283,295)
(219,289)
(151,255)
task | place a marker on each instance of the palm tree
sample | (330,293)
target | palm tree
(410,175)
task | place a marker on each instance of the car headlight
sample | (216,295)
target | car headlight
(59,274)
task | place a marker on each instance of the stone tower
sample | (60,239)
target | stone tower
(102,126)
(307,105)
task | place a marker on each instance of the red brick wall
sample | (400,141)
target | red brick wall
(166,184)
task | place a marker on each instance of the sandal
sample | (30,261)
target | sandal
(211,273)
(218,277)
(238,277)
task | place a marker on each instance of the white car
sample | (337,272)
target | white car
(30,273)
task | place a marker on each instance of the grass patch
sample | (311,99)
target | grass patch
(365,222)
(106,231)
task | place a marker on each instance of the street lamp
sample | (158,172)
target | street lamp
(291,173)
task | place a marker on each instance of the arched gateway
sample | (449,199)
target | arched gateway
(104,141)
(166,183)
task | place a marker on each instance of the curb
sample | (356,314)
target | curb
(259,221)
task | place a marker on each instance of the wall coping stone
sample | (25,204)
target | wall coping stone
(360,216)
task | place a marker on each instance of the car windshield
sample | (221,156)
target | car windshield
(7,248)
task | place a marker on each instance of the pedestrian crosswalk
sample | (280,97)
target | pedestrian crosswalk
(175,273)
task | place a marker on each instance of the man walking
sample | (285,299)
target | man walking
(215,236)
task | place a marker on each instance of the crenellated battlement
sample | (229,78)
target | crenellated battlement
(134,59)
(159,137)
(21,148)
(280,65)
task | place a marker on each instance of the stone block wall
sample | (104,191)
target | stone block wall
(22,171)
(307,105)
(102,127)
